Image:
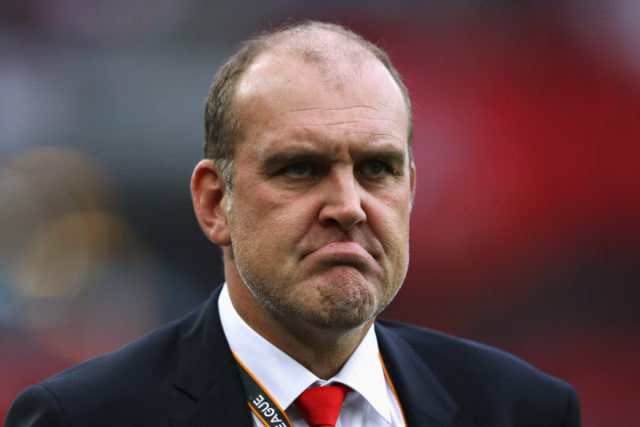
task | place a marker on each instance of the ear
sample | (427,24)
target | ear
(209,194)
(412,169)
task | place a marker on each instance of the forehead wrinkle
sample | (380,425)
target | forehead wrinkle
(357,119)
(314,131)
(359,113)
(355,115)
(306,140)
(313,134)
(353,107)
(337,123)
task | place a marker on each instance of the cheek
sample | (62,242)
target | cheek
(279,219)
(390,215)
(390,223)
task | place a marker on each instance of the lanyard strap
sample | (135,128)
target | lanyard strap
(267,409)
(260,401)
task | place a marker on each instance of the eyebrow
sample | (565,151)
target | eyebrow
(277,159)
(389,154)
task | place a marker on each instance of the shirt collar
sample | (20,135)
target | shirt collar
(285,378)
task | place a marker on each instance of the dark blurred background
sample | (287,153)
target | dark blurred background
(525,231)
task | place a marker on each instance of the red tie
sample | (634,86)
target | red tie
(320,406)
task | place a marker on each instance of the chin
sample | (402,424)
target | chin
(338,320)
(343,306)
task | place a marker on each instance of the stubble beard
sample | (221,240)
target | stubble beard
(340,305)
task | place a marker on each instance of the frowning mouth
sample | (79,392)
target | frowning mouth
(342,253)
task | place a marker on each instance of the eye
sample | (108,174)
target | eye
(299,169)
(374,168)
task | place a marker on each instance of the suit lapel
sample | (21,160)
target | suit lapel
(424,400)
(209,389)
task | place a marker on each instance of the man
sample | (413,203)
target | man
(307,188)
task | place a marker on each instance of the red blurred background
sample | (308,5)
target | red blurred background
(524,231)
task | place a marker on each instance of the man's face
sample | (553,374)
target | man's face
(319,215)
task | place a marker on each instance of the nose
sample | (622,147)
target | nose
(342,201)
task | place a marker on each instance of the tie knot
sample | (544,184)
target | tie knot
(320,406)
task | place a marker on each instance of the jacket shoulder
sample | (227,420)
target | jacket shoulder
(450,353)
(486,382)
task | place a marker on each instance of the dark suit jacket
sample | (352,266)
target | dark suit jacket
(183,375)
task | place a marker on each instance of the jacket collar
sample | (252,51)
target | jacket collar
(424,400)
(210,389)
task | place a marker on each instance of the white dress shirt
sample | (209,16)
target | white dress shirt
(372,403)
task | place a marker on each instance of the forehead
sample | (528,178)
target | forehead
(279,90)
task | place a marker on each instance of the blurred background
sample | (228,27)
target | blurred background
(525,232)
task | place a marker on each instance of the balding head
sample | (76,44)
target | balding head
(338,53)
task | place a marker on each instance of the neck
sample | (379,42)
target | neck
(323,351)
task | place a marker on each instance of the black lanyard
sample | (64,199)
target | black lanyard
(260,401)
